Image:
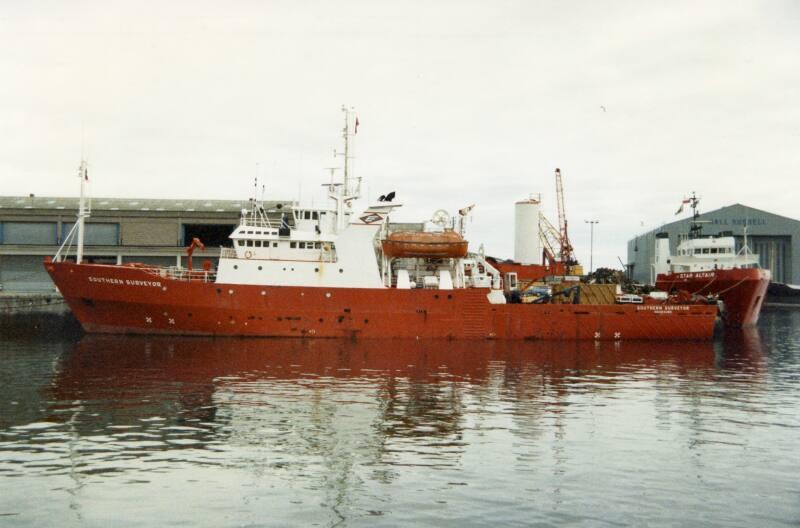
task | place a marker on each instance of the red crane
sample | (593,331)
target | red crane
(567,253)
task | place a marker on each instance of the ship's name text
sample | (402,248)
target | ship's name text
(661,307)
(126,282)
(696,275)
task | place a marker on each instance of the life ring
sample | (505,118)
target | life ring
(248,254)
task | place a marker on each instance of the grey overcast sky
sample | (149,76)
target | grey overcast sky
(639,103)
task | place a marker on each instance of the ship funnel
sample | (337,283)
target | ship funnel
(662,256)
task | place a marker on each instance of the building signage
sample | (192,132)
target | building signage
(739,221)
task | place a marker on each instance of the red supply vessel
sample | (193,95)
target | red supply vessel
(332,272)
(710,266)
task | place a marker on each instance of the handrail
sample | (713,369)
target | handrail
(181,274)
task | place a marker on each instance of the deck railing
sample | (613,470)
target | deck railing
(182,274)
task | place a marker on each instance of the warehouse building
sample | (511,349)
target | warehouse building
(118,231)
(775,238)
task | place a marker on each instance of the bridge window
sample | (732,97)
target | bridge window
(314,216)
(240,243)
(292,245)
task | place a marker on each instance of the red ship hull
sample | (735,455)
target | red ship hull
(123,299)
(741,290)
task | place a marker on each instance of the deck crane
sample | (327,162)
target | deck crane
(567,255)
(549,238)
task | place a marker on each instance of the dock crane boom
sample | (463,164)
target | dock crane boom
(567,253)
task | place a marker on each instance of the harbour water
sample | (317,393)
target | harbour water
(135,431)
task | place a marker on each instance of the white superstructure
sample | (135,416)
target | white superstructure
(701,253)
(334,247)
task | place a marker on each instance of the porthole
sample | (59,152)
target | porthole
(260,268)
(341,270)
(235,266)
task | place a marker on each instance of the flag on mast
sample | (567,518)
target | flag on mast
(684,202)
(355,131)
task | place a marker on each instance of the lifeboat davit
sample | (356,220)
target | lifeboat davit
(417,244)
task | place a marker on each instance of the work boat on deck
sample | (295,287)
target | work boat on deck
(333,272)
(711,266)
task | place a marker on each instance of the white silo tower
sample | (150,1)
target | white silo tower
(527,245)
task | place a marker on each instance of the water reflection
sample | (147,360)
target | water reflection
(334,424)
(418,387)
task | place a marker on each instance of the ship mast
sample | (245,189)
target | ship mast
(344,193)
(83,174)
(695,228)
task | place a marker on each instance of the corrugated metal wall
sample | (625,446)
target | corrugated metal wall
(29,233)
(95,234)
(24,273)
(773,254)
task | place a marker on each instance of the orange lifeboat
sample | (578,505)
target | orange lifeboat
(416,244)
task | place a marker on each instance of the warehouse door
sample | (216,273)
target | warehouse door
(24,273)
(29,233)
(773,254)
(95,234)
(212,235)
